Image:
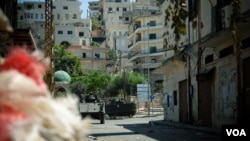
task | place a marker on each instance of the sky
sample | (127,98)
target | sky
(84,7)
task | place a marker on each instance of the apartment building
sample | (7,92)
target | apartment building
(206,83)
(68,25)
(115,24)
(145,39)
(30,15)
(94,9)
(93,58)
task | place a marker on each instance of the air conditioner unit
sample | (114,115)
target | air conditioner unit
(225,14)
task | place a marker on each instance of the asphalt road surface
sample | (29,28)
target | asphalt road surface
(138,129)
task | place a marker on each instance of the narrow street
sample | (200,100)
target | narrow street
(138,129)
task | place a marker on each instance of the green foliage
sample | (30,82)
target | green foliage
(68,62)
(178,15)
(95,44)
(93,82)
(111,55)
(125,83)
(95,23)
(78,88)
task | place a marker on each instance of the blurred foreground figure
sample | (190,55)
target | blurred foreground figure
(27,110)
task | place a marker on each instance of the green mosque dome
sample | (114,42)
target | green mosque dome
(62,76)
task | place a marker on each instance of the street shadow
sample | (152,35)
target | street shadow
(142,129)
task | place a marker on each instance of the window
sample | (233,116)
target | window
(152,23)
(65,7)
(246,43)
(109,9)
(39,6)
(27,15)
(168,101)
(74,16)
(126,18)
(153,49)
(36,16)
(83,55)
(124,9)
(152,36)
(60,32)
(70,32)
(97,56)
(175,97)
(209,58)
(58,16)
(31,16)
(67,16)
(192,4)
(54,7)
(41,16)
(117,9)
(81,34)
(29,7)
(226,51)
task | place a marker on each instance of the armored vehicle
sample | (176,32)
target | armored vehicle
(118,107)
(91,106)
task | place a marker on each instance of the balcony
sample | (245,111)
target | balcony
(137,54)
(144,41)
(139,28)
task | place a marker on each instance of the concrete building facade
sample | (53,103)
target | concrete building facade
(69,27)
(93,58)
(207,85)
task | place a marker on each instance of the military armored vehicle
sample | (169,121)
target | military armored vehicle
(91,106)
(118,107)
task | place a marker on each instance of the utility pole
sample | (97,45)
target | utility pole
(49,43)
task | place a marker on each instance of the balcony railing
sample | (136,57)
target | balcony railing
(145,40)
(143,53)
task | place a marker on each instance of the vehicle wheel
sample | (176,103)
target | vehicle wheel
(102,119)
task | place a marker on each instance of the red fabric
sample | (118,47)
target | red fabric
(8,115)
(21,60)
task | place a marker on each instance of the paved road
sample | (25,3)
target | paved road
(138,129)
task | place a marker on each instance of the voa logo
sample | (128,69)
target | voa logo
(236,132)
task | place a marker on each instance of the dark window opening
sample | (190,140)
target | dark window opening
(70,32)
(83,55)
(152,36)
(60,32)
(227,51)
(29,7)
(153,49)
(65,7)
(97,56)
(152,23)
(175,97)
(209,58)
(81,34)
(168,101)
(245,43)
(193,9)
